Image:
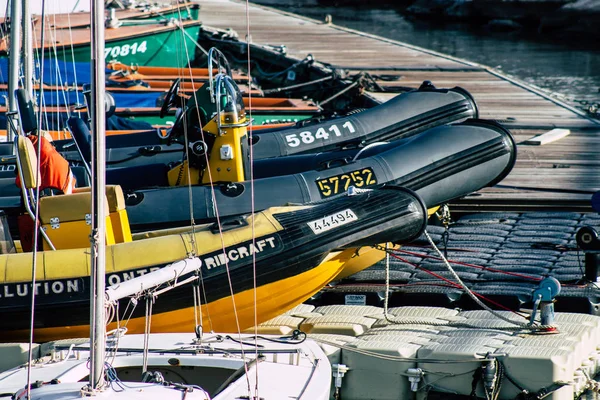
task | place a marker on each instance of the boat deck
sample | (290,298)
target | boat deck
(556,176)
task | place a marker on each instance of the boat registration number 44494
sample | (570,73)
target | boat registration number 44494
(336,184)
(332,221)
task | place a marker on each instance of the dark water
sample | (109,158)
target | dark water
(569,68)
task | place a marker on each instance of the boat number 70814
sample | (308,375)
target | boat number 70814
(125,50)
(308,137)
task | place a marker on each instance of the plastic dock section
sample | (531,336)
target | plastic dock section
(419,350)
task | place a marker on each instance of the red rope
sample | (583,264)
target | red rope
(499,271)
(454,284)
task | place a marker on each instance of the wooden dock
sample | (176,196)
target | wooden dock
(558,176)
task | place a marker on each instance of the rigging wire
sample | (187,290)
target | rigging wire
(37,57)
(181,58)
(58,81)
(35,222)
(252,204)
(213,199)
(75,81)
(213,196)
(149,303)
(189,183)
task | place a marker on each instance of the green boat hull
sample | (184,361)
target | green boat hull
(164,49)
(169,48)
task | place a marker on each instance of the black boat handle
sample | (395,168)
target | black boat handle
(338,162)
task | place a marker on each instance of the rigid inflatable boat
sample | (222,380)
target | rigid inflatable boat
(291,248)
(441,164)
(403,116)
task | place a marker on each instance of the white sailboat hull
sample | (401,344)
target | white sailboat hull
(288,370)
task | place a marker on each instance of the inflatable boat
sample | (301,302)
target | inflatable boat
(292,249)
(403,116)
(441,164)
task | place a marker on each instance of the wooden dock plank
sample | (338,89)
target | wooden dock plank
(572,163)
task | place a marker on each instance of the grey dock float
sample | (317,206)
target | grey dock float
(570,164)
(439,346)
(15,354)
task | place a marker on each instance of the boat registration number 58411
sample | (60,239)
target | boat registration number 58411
(323,133)
(332,221)
(340,183)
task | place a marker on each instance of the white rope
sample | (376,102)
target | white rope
(194,41)
(252,205)
(433,322)
(522,325)
(149,301)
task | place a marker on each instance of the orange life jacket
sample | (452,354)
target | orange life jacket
(55,172)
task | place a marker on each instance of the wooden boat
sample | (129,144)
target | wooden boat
(166,73)
(138,15)
(217,366)
(70,76)
(159,44)
(142,107)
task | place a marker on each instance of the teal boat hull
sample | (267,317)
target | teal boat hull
(173,47)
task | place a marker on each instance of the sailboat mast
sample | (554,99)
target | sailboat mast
(98,251)
(27,48)
(15,52)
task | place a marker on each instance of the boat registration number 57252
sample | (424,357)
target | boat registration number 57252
(332,221)
(336,184)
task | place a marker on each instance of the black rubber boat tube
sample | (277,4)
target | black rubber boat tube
(441,164)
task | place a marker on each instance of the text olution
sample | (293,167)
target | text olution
(76,286)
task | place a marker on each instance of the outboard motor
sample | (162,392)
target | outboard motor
(217,140)
(229,157)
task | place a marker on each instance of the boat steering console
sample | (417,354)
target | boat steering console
(207,119)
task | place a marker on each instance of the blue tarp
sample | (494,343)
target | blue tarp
(59,121)
(56,72)
(122,100)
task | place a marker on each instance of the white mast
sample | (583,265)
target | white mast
(27,48)
(98,252)
(13,71)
